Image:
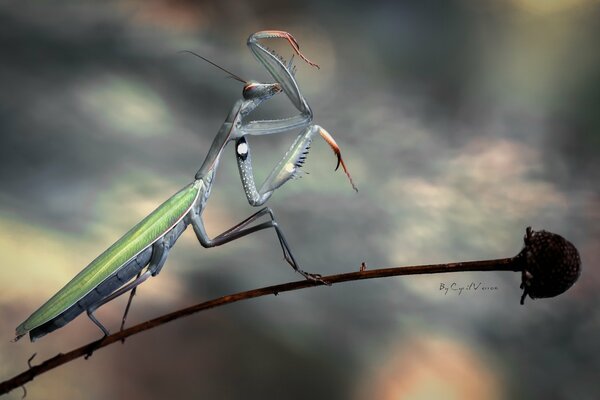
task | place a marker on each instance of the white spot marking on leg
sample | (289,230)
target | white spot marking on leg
(242,149)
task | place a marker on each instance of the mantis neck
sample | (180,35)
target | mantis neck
(214,153)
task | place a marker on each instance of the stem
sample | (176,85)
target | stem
(502,264)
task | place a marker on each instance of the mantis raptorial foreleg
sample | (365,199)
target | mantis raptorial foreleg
(286,169)
(276,66)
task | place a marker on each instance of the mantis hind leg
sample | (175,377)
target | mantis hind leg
(129,300)
(160,251)
(124,289)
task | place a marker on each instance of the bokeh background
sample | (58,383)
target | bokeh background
(463,122)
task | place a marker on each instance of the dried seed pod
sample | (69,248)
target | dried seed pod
(550,264)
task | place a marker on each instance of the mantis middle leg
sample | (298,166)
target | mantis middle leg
(241,230)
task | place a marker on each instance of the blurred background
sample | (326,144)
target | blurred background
(462,122)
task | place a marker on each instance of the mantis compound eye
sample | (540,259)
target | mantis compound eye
(249,90)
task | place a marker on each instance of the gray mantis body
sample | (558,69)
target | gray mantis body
(153,251)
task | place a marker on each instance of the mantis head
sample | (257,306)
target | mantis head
(253,90)
(260,91)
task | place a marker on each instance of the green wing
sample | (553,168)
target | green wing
(133,242)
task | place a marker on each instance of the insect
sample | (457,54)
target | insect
(142,252)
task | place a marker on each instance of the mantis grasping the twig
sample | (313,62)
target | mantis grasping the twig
(118,270)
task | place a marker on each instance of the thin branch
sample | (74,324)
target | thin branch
(503,264)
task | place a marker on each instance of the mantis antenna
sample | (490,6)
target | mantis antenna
(231,74)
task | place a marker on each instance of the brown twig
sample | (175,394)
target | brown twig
(503,264)
(549,265)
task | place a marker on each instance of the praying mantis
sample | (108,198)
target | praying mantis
(143,250)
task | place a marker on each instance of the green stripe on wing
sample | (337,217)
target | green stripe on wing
(133,242)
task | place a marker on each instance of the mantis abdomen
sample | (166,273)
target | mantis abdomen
(114,267)
(115,281)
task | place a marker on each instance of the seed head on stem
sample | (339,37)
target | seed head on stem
(550,264)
